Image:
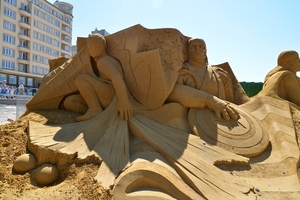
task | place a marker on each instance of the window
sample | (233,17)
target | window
(35,23)
(23,55)
(36,12)
(49,19)
(46,71)
(41,59)
(42,15)
(56,33)
(56,43)
(48,51)
(42,48)
(8,52)
(24,7)
(10,13)
(24,19)
(12,79)
(22,68)
(8,38)
(23,43)
(22,80)
(49,40)
(8,64)
(34,57)
(35,46)
(55,53)
(30,82)
(24,31)
(49,29)
(34,69)
(56,23)
(35,34)
(42,37)
(41,70)
(12,2)
(9,26)
(2,77)
(42,26)
(47,61)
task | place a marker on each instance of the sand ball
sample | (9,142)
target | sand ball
(46,174)
(24,163)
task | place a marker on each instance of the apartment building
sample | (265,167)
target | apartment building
(33,31)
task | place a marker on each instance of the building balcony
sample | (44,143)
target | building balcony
(24,36)
(24,24)
(23,61)
(23,48)
(65,41)
(24,12)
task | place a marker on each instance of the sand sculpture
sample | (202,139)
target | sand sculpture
(162,123)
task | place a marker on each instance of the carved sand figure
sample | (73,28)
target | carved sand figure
(97,92)
(184,140)
(282,82)
(211,83)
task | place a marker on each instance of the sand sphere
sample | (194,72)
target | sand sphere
(46,174)
(24,163)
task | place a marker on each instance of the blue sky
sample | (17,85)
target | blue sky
(249,34)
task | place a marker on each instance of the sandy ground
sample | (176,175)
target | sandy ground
(75,182)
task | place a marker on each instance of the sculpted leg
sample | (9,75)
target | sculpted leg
(88,92)
(75,103)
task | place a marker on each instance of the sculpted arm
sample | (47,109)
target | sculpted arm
(109,69)
(193,98)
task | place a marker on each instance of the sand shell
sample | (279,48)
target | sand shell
(24,163)
(46,174)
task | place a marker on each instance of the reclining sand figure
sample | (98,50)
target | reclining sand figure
(282,82)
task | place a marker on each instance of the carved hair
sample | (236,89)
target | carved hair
(96,37)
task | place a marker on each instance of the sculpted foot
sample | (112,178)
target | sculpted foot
(88,115)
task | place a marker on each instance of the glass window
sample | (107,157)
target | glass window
(42,37)
(22,80)
(10,13)
(8,38)
(30,82)
(12,2)
(35,34)
(34,69)
(8,64)
(34,57)
(8,52)
(22,68)
(36,12)
(12,79)
(2,77)
(42,48)
(35,46)
(9,26)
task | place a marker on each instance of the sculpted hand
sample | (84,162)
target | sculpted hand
(221,108)
(124,109)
